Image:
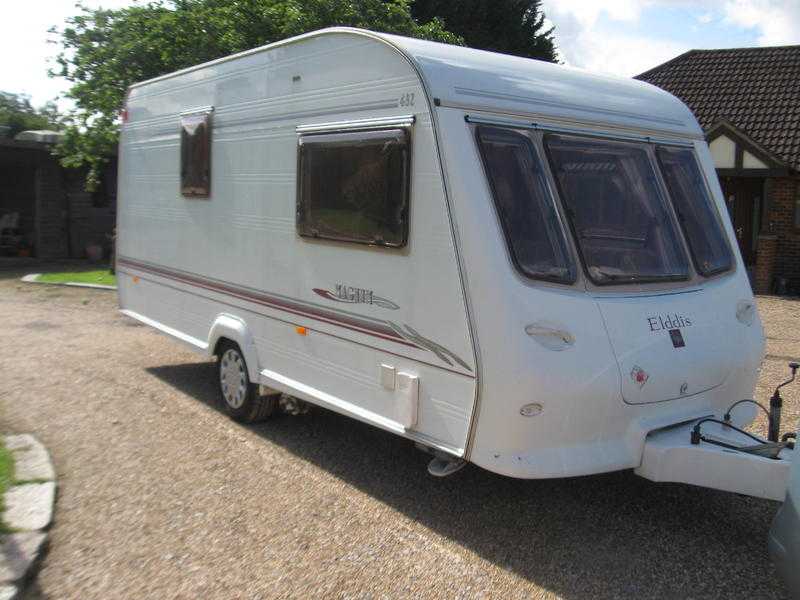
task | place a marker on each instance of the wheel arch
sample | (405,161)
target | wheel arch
(233,328)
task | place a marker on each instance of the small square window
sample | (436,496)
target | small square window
(196,155)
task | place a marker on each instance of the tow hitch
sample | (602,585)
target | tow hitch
(713,453)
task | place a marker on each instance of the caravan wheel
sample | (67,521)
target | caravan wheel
(240,397)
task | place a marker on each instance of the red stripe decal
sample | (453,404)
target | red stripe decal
(282,304)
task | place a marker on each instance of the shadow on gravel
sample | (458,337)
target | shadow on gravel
(609,536)
(32,591)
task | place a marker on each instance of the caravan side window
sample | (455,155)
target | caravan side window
(196,155)
(353,187)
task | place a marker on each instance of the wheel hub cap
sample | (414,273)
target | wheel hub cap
(232,378)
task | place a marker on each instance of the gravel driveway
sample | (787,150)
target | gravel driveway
(161,496)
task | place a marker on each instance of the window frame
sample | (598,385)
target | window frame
(712,204)
(194,191)
(566,245)
(648,146)
(300,205)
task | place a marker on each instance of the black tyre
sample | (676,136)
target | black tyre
(240,397)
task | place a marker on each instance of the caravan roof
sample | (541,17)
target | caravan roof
(488,81)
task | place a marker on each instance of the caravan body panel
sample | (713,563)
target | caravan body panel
(582,421)
(185,263)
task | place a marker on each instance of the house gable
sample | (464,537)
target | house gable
(736,153)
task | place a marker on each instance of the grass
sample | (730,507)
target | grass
(6,479)
(101,277)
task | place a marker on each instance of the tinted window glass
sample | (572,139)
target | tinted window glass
(196,155)
(696,213)
(621,221)
(354,187)
(525,208)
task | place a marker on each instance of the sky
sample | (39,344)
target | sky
(628,37)
(618,37)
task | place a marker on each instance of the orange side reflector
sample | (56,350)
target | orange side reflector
(301,330)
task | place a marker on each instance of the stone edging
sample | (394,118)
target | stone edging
(33,278)
(28,512)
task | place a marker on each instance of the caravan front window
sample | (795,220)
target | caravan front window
(621,220)
(698,217)
(526,210)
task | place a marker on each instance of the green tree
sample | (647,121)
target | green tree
(17,112)
(105,51)
(509,26)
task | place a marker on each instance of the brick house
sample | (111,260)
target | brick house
(747,101)
(55,216)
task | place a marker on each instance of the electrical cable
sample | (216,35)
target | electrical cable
(727,416)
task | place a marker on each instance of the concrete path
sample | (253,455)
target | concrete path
(27,513)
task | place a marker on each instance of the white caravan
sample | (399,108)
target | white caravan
(512,263)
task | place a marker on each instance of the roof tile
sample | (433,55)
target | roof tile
(755,89)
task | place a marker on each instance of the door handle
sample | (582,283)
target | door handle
(552,338)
